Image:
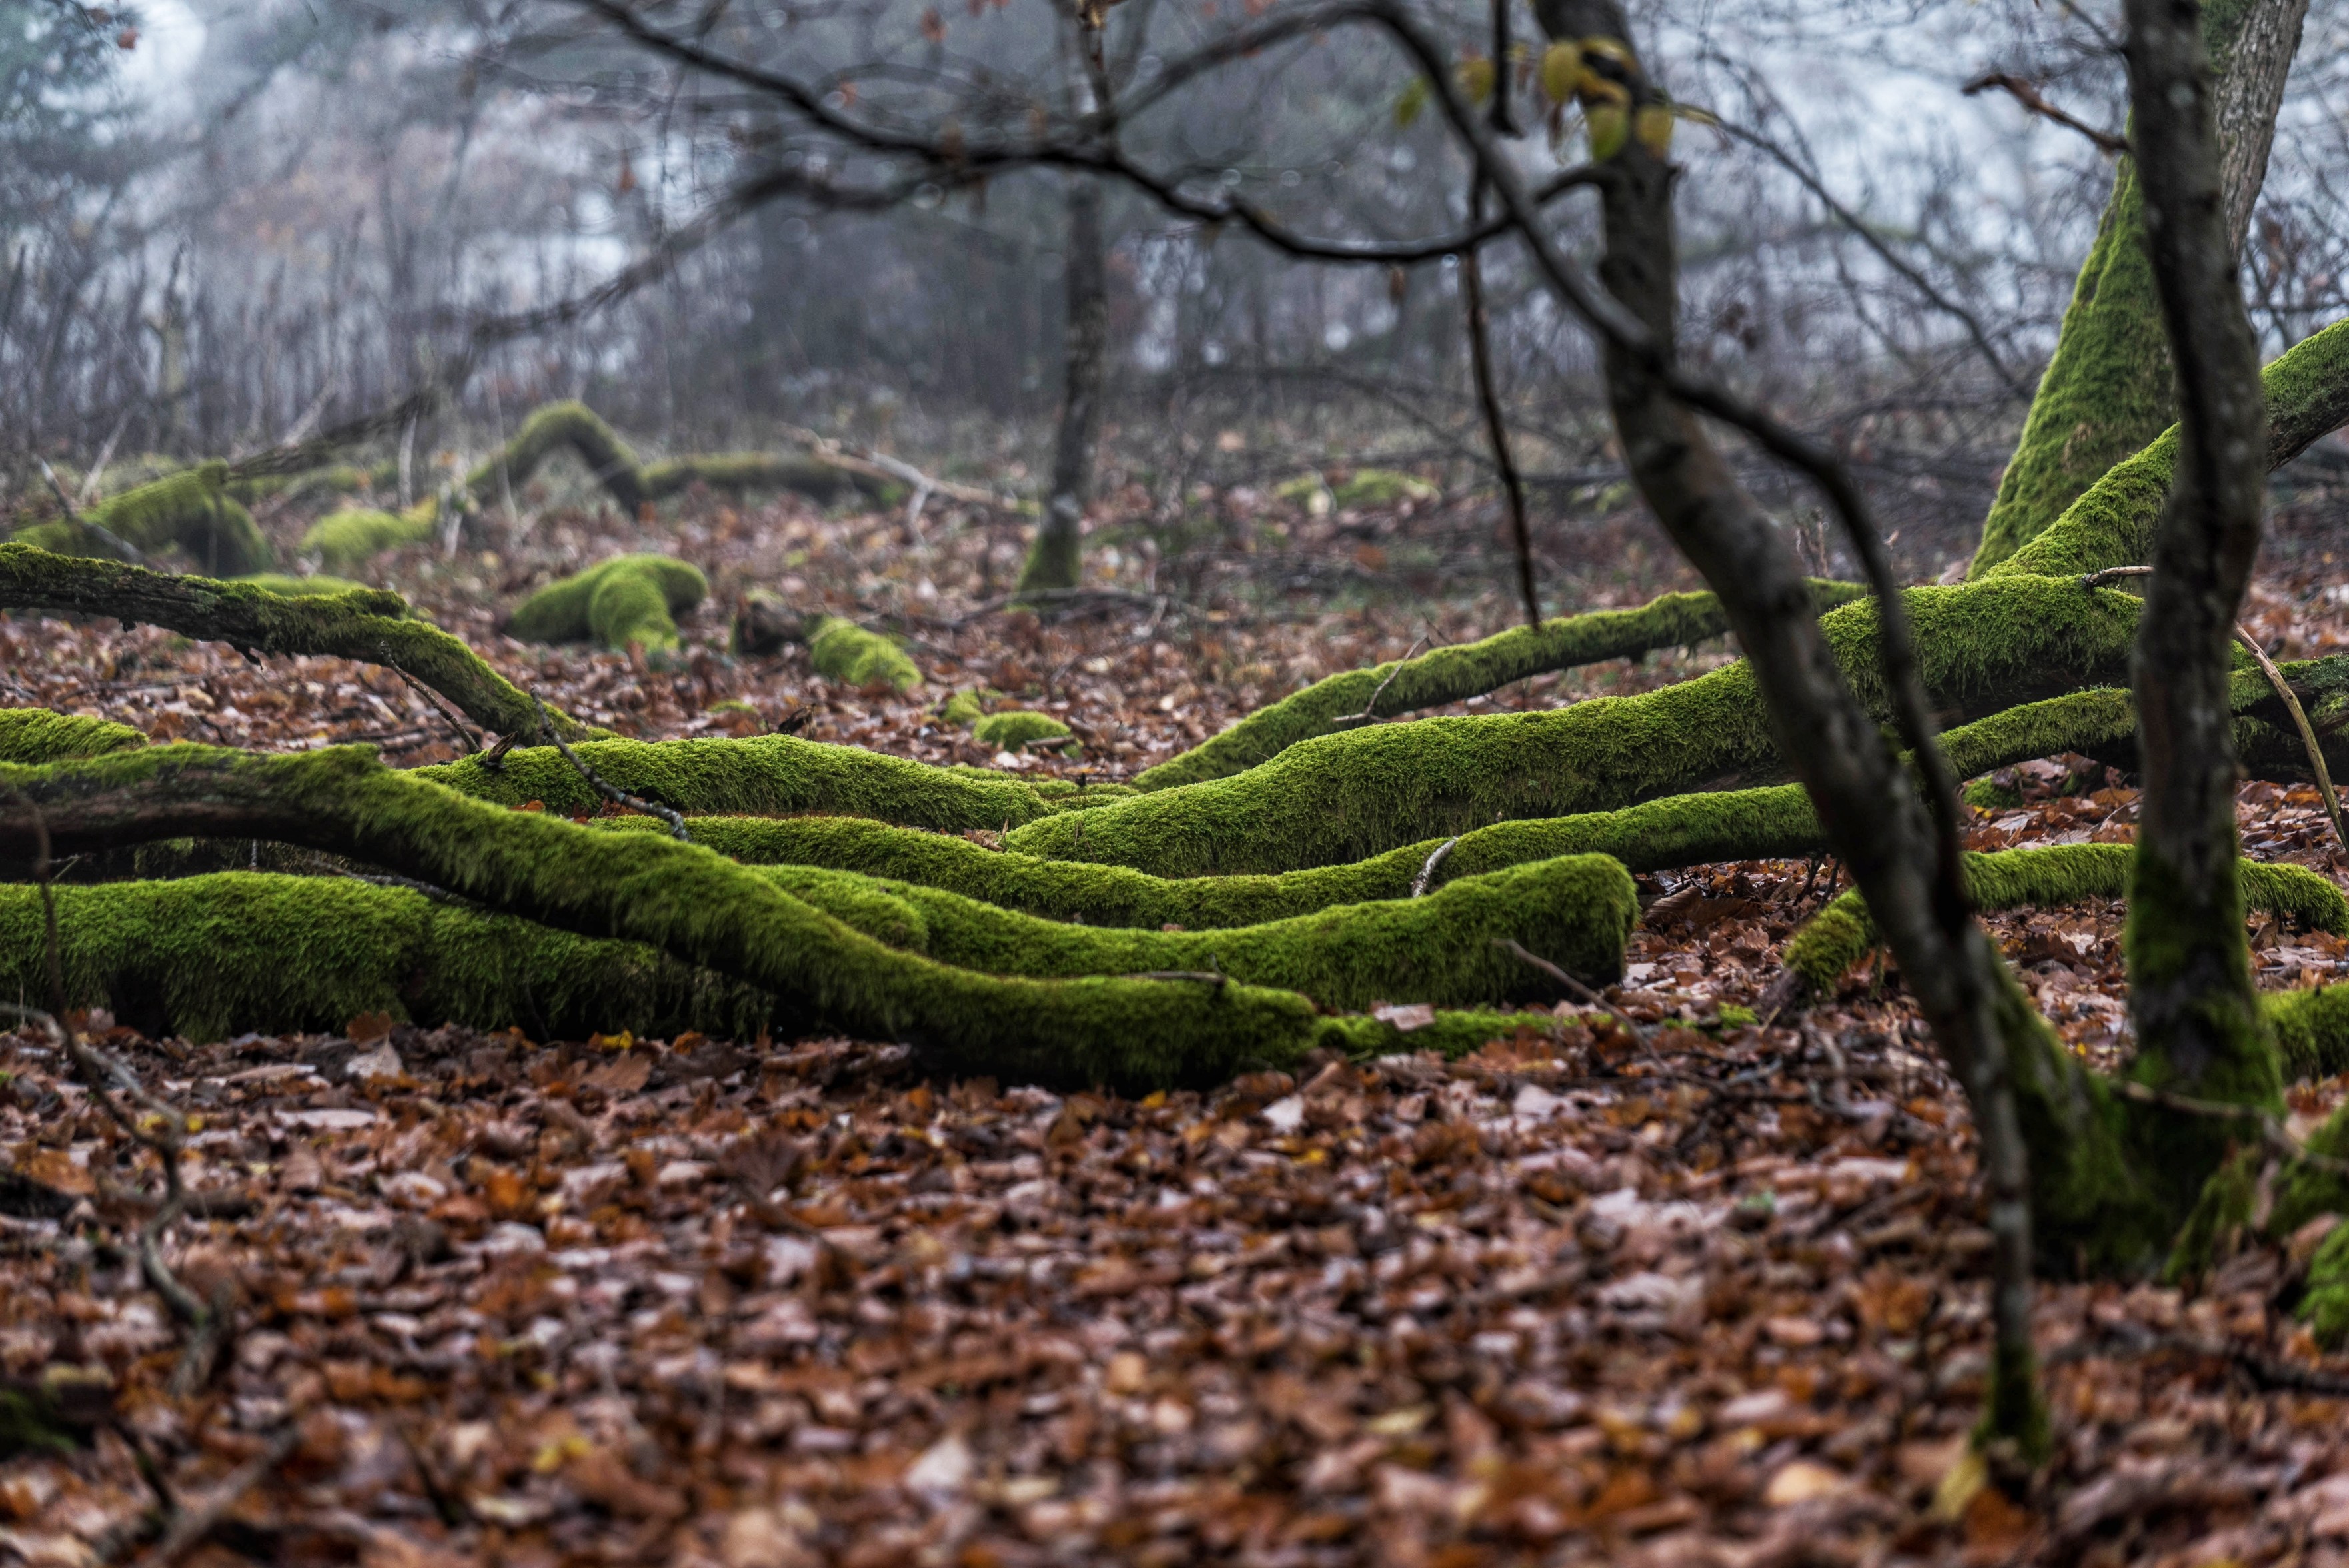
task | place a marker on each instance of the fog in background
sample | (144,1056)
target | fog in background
(229,221)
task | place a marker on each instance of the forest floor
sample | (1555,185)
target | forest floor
(1691,1294)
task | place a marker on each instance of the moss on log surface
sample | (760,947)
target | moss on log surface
(209,954)
(366,625)
(1455,675)
(190,511)
(554,427)
(1338,797)
(769,775)
(34,735)
(1841,935)
(629,599)
(698,908)
(2112,522)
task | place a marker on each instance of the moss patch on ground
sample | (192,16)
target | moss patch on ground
(627,600)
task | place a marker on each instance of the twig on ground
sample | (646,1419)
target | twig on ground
(2114,574)
(1427,872)
(2307,734)
(1517,950)
(611,792)
(1158,602)
(2272,1131)
(880,465)
(465,737)
(187,1530)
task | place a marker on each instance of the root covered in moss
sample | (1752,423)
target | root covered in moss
(1455,675)
(846,652)
(699,909)
(557,425)
(1020,729)
(190,511)
(364,624)
(627,600)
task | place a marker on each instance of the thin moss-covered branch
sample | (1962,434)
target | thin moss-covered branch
(1841,935)
(633,485)
(1456,674)
(368,625)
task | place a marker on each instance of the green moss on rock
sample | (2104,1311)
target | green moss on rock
(629,599)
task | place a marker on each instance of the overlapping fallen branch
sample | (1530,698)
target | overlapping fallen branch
(368,625)
(699,909)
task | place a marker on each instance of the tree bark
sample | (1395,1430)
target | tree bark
(1055,560)
(2109,389)
(2190,988)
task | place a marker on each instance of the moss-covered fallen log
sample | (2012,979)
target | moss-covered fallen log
(627,600)
(33,736)
(368,625)
(2046,876)
(2112,522)
(699,909)
(633,485)
(206,955)
(190,511)
(1455,675)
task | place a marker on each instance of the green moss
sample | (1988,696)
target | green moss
(2107,390)
(1020,729)
(2311,1028)
(345,539)
(554,427)
(2324,1304)
(1382,487)
(188,511)
(695,906)
(820,481)
(1343,797)
(629,599)
(846,652)
(338,479)
(2112,522)
(764,775)
(2047,876)
(1456,674)
(363,624)
(316,586)
(962,710)
(32,735)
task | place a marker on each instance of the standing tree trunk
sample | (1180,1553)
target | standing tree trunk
(1054,561)
(2197,1020)
(2109,389)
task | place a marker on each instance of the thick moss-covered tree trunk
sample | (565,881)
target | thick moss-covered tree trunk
(2108,390)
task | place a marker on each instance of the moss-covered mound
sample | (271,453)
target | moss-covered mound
(190,511)
(344,540)
(846,652)
(557,427)
(1017,729)
(33,736)
(629,599)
